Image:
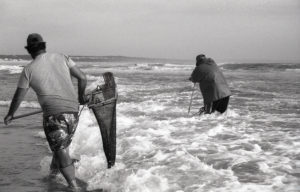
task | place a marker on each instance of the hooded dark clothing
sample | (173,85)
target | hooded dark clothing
(212,83)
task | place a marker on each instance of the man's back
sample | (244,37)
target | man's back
(212,82)
(49,76)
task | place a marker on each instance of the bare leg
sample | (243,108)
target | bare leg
(66,166)
(54,166)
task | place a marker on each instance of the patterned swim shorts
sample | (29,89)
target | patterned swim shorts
(59,130)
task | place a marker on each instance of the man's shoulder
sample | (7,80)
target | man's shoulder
(29,65)
(61,55)
(210,61)
(60,58)
(56,58)
(45,57)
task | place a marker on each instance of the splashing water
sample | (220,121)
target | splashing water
(254,146)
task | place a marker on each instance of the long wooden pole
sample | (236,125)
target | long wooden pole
(191,98)
(27,114)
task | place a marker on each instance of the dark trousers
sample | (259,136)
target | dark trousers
(220,105)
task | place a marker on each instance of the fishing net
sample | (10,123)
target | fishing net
(102,101)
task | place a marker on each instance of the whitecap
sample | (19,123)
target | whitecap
(145,181)
(12,69)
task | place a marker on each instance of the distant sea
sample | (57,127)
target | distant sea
(253,147)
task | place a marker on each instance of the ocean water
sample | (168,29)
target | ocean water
(254,146)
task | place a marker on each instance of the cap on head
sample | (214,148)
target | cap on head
(200,57)
(34,39)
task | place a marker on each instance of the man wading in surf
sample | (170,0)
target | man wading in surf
(49,75)
(213,85)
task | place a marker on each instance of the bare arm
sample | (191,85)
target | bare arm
(15,103)
(81,77)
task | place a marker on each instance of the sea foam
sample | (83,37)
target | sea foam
(12,69)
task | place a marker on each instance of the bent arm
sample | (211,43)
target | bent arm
(82,81)
(17,99)
(192,77)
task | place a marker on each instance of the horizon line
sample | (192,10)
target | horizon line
(177,59)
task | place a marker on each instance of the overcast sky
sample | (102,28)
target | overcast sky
(227,30)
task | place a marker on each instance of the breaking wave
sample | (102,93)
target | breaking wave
(12,69)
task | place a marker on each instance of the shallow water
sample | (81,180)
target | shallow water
(254,146)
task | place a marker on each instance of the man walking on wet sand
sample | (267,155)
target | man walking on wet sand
(49,75)
(213,85)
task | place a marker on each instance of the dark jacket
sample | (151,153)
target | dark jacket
(213,85)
